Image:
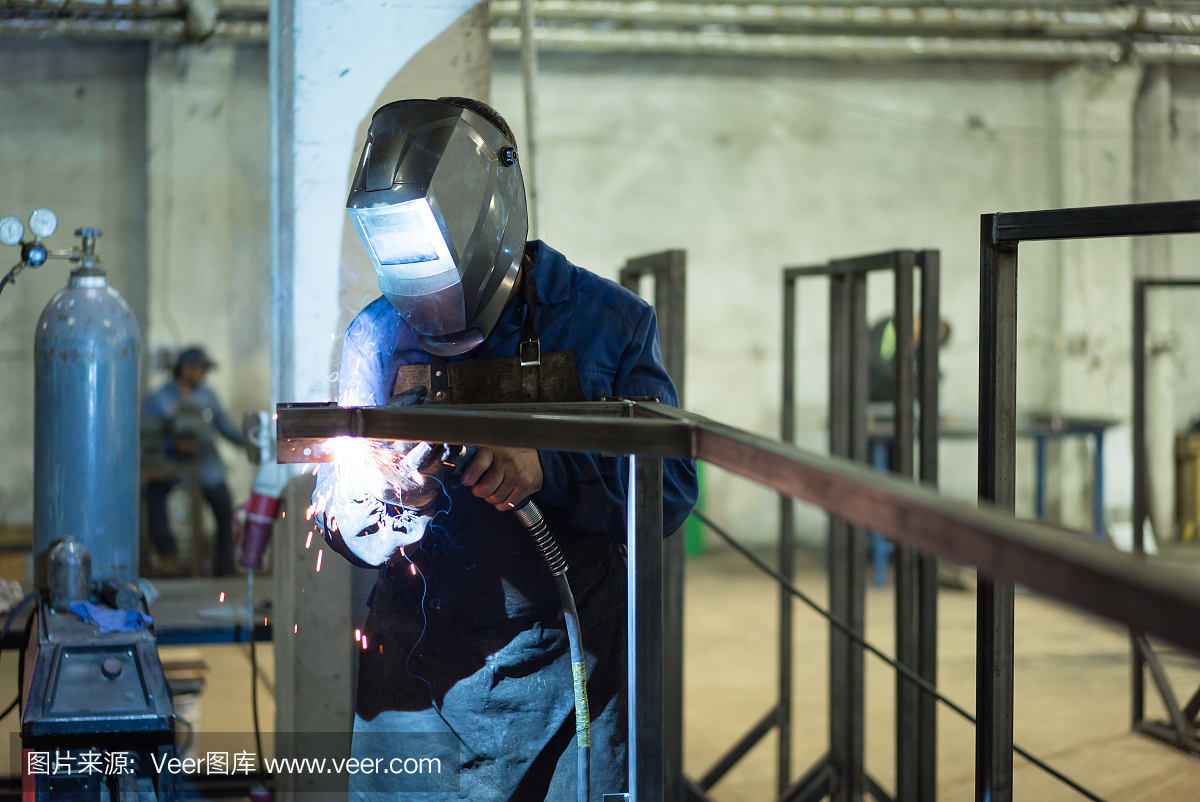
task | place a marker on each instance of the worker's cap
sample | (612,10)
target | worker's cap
(194,356)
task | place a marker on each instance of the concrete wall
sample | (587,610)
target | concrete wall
(72,138)
(209,216)
(752,165)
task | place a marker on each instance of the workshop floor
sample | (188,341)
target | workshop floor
(1072,692)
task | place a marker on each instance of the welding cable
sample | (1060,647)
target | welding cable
(254,668)
(8,279)
(924,684)
(531,517)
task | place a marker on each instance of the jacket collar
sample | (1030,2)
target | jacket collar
(552,275)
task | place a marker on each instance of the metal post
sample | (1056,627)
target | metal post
(669,269)
(857,567)
(1138,695)
(927,565)
(529,158)
(907,623)
(839,548)
(786,546)
(644,561)
(997,468)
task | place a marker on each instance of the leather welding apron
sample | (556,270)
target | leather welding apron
(465,632)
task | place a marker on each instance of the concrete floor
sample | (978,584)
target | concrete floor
(1072,692)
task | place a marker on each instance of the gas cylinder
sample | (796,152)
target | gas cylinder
(86,451)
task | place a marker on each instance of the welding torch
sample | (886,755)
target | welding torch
(456,458)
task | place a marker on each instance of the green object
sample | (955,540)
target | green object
(887,346)
(693,530)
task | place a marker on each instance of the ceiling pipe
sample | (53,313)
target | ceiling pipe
(725,43)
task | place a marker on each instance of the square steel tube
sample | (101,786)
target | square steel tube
(1124,220)
(644,618)
(997,486)
(1152,598)
(669,269)
(1140,472)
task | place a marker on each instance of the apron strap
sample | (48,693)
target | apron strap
(439,380)
(530,349)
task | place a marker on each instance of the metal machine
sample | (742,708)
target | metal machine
(96,719)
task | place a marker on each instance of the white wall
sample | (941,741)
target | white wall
(752,165)
(209,218)
(72,138)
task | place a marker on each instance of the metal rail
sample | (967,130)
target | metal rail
(1180,729)
(1000,235)
(1154,599)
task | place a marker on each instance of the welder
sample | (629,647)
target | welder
(465,634)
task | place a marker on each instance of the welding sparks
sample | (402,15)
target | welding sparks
(283,514)
(320,554)
(358,634)
(295,628)
(308,542)
(412,568)
(364,641)
(221,598)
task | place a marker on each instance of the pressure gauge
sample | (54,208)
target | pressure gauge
(43,222)
(11,231)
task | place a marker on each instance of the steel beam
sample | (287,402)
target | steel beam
(1126,220)
(997,471)
(1137,696)
(669,269)
(1050,560)
(787,539)
(927,564)
(907,623)
(644,565)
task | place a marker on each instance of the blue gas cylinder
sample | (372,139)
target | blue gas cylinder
(86,450)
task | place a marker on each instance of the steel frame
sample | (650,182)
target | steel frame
(669,271)
(1145,597)
(916,575)
(1180,730)
(1000,234)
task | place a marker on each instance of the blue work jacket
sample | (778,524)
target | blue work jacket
(614,335)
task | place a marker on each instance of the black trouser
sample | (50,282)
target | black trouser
(217,497)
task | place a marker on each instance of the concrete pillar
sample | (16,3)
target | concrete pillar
(207,218)
(332,64)
(1152,178)
(1094,144)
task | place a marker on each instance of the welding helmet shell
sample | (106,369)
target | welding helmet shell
(439,203)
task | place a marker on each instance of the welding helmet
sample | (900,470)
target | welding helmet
(439,203)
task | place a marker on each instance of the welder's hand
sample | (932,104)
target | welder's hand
(504,477)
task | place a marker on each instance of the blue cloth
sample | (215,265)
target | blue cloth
(164,402)
(106,619)
(614,335)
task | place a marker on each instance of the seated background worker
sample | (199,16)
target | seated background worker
(465,633)
(193,416)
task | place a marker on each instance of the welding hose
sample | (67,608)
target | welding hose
(531,517)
